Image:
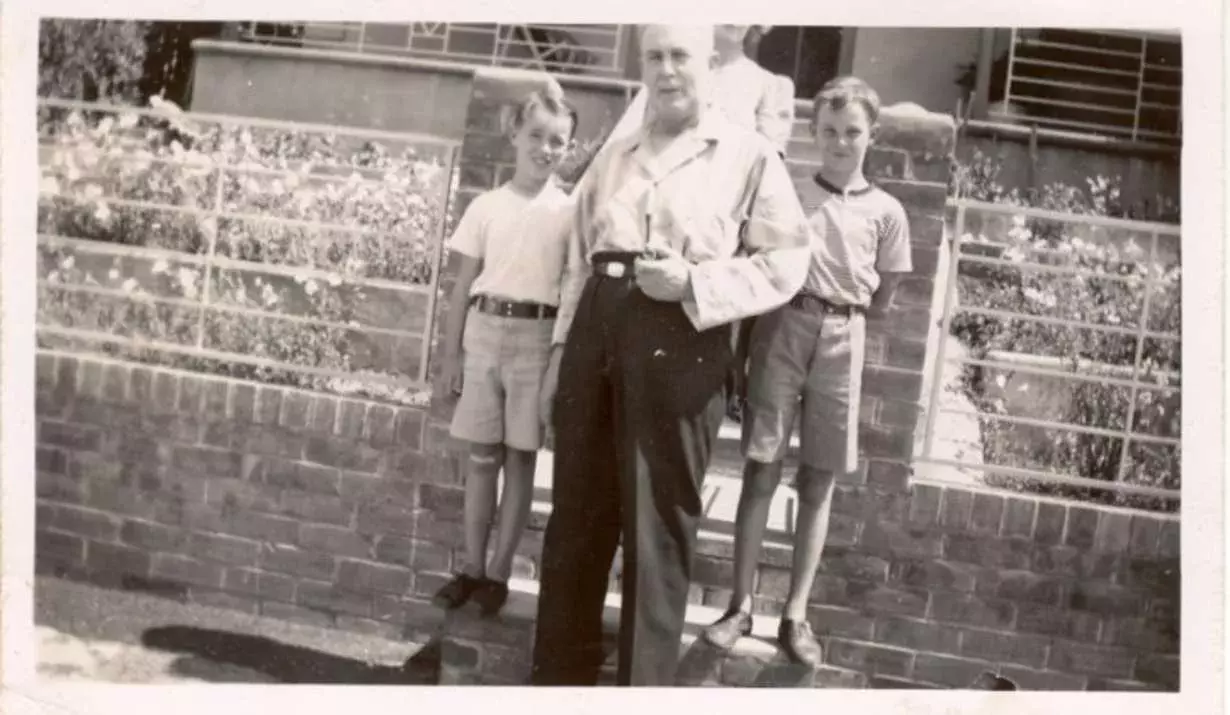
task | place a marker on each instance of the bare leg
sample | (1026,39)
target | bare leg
(759,483)
(815,502)
(482,475)
(515,503)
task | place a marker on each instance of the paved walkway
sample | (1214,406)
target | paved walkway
(86,633)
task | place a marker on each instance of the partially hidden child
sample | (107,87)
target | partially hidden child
(805,361)
(511,242)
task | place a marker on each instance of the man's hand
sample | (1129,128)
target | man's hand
(550,383)
(663,275)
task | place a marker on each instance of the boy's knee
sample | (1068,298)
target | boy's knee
(487,456)
(760,479)
(815,486)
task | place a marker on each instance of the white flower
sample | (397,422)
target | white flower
(160,266)
(102,212)
(114,274)
(335,280)
(1023,388)
(49,185)
(93,192)
(106,125)
(53,277)
(1046,299)
(310,287)
(1001,381)
(68,263)
(130,285)
(128,120)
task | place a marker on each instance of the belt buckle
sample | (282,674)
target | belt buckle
(615,269)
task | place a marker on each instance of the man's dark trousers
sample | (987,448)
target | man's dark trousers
(640,401)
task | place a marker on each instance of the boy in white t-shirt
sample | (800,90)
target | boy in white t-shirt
(512,242)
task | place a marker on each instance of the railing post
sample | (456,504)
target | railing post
(982,79)
(1142,329)
(950,300)
(212,230)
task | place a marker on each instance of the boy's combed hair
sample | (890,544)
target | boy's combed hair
(550,102)
(839,92)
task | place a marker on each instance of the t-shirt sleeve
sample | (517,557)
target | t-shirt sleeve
(467,238)
(893,255)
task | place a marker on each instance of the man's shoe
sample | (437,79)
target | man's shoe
(491,596)
(457,592)
(728,629)
(799,643)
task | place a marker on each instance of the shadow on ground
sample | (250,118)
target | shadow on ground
(284,663)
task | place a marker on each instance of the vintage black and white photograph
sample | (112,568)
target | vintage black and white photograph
(651,355)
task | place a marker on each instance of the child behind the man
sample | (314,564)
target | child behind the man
(511,242)
(812,348)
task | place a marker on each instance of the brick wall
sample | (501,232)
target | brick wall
(344,512)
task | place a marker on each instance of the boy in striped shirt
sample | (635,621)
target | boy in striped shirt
(809,354)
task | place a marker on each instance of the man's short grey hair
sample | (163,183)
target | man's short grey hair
(705,30)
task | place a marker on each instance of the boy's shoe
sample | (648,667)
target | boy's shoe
(799,643)
(457,592)
(728,629)
(491,596)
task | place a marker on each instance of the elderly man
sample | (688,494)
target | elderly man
(682,227)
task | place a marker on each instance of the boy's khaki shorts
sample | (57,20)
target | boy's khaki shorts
(504,362)
(813,359)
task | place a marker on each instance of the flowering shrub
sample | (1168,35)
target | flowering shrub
(303,248)
(1099,277)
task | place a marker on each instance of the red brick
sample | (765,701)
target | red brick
(71,436)
(59,488)
(399,520)
(185,570)
(303,477)
(1105,599)
(854,565)
(265,527)
(45,370)
(406,464)
(116,559)
(1082,526)
(1087,659)
(1168,540)
(444,502)
(947,670)
(1022,586)
(380,427)
(88,523)
(317,508)
(149,536)
(335,540)
(207,462)
(1145,533)
(1158,669)
(263,584)
(409,427)
(971,610)
(1005,647)
(215,398)
(710,571)
(956,509)
(61,548)
(771,582)
(988,513)
(1145,634)
(893,384)
(1030,679)
(1019,514)
(917,634)
(296,614)
(351,419)
(224,549)
(906,353)
(896,541)
(115,383)
(415,615)
(869,658)
(334,452)
(914,290)
(327,597)
(296,407)
(243,403)
(230,494)
(925,500)
(933,574)
(298,562)
(1074,563)
(191,387)
(268,405)
(166,392)
(324,414)
(1152,576)
(984,551)
(828,590)
(1048,620)
(1049,526)
(361,576)
(884,599)
(228,601)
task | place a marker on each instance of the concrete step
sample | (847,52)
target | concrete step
(476,650)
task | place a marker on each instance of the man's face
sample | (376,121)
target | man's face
(843,135)
(676,63)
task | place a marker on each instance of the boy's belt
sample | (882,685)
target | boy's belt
(512,309)
(807,301)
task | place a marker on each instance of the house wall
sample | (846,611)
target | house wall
(915,64)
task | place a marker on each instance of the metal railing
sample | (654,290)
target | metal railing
(1121,84)
(201,239)
(1060,340)
(585,49)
